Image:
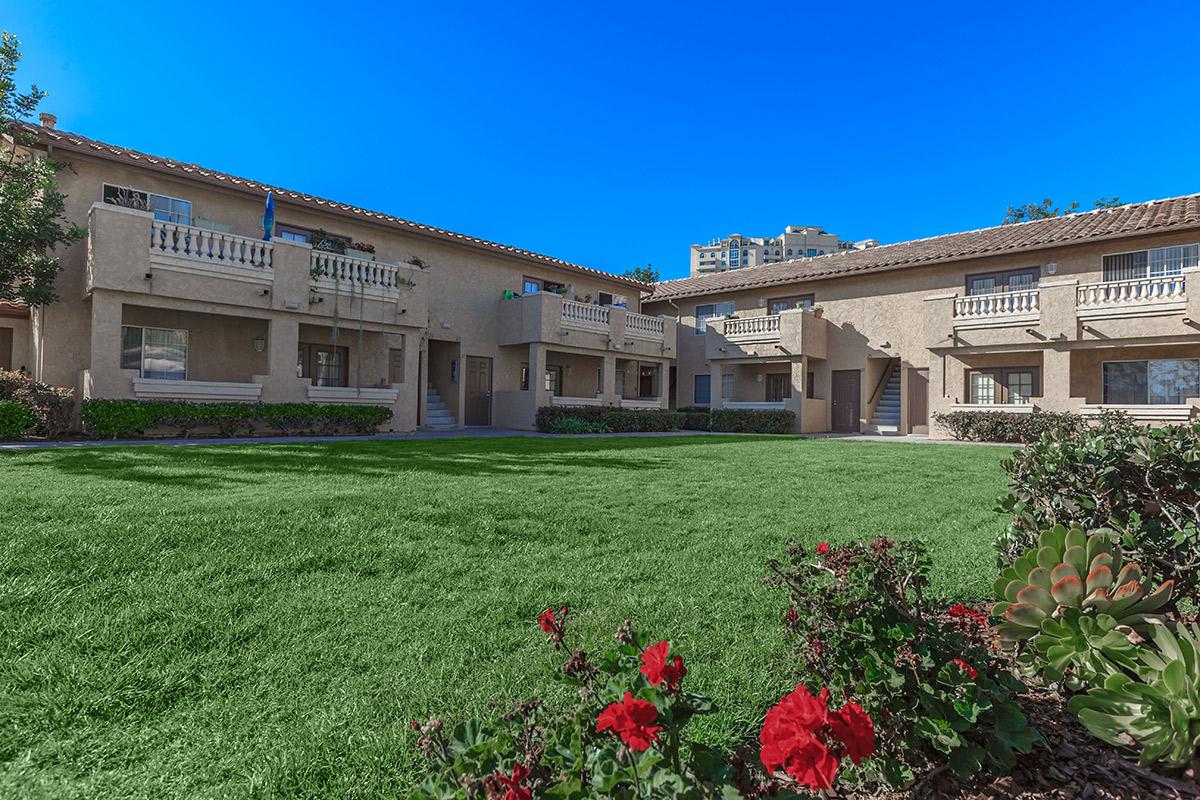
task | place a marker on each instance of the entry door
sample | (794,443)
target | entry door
(479,391)
(918,399)
(646,382)
(847,400)
(779,385)
(6,348)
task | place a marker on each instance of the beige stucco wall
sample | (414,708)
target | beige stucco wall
(907,314)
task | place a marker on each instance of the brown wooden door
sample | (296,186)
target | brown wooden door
(396,365)
(6,348)
(479,391)
(847,400)
(779,386)
(918,398)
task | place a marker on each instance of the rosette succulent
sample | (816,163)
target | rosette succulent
(1074,608)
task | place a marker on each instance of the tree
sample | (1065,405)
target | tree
(32,209)
(1047,209)
(646,274)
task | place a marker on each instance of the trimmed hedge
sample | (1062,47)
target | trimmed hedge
(617,420)
(738,420)
(53,408)
(696,418)
(16,419)
(1003,426)
(128,417)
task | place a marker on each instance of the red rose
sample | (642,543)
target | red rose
(965,667)
(854,729)
(658,669)
(631,720)
(513,786)
(789,739)
(822,548)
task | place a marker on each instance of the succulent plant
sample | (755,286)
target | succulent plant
(1078,605)
(1160,712)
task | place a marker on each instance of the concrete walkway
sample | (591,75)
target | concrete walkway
(451,434)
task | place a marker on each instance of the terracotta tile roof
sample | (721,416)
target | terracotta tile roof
(76,142)
(1175,213)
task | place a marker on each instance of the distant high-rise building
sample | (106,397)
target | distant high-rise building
(797,241)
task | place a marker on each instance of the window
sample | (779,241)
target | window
(734,256)
(775,305)
(727,386)
(323,365)
(604,298)
(293,234)
(810,389)
(1003,385)
(1169,381)
(701,390)
(159,353)
(812,251)
(789,251)
(396,365)
(168,209)
(524,377)
(1155,263)
(554,287)
(531,286)
(1013,280)
(554,381)
(710,310)
(621,383)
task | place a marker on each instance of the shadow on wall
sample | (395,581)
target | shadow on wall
(225,466)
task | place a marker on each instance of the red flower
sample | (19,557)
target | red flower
(513,786)
(961,614)
(791,617)
(658,669)
(965,667)
(630,719)
(789,739)
(854,729)
(554,625)
(822,548)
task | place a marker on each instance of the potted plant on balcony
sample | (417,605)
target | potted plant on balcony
(363,250)
(818,311)
(323,240)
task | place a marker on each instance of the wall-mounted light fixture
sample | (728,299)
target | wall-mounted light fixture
(260,344)
(1051,268)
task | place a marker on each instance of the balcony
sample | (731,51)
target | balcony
(766,336)
(1135,298)
(337,272)
(185,247)
(550,318)
(996,310)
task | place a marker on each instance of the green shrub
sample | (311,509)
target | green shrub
(16,420)
(53,407)
(1004,426)
(860,623)
(696,418)
(1142,482)
(748,420)
(617,420)
(127,417)
(576,425)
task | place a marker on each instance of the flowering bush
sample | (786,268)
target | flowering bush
(624,736)
(863,627)
(53,407)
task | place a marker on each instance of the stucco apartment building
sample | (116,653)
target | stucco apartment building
(1077,313)
(175,294)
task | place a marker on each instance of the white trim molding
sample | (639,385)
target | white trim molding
(652,403)
(1001,408)
(219,391)
(756,406)
(351,395)
(557,400)
(1155,413)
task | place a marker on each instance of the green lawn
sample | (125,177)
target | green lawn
(264,621)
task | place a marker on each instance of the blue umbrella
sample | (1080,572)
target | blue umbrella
(269,217)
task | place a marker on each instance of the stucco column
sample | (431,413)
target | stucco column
(537,376)
(1056,381)
(423,382)
(664,384)
(280,384)
(608,381)
(105,377)
(716,370)
(799,378)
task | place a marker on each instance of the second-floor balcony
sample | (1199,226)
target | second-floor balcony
(1143,296)
(997,309)
(754,335)
(551,318)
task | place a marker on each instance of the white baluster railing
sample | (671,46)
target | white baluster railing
(643,326)
(1141,291)
(214,247)
(752,327)
(583,315)
(351,272)
(997,306)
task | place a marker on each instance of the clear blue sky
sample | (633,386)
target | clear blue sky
(615,135)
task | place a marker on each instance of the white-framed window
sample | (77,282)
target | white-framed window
(983,388)
(727,386)
(735,257)
(159,353)
(1156,263)
(168,209)
(709,310)
(1004,385)
(293,234)
(1166,381)
(702,389)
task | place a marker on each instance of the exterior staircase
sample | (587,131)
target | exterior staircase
(437,415)
(886,419)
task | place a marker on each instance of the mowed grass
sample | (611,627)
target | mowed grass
(266,620)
